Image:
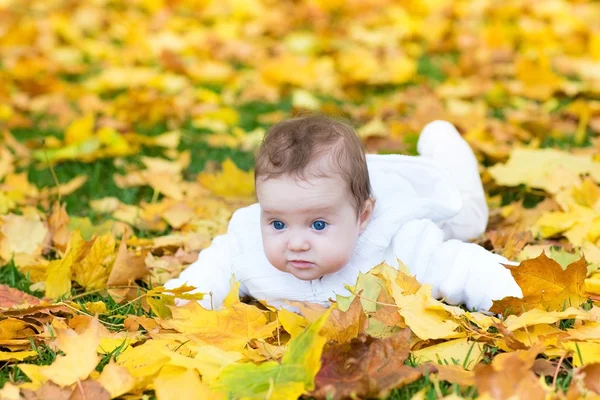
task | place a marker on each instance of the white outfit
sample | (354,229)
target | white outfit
(424,207)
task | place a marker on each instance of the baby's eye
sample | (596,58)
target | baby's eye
(319,225)
(278,225)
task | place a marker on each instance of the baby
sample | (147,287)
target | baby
(327,212)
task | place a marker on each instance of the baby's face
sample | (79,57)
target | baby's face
(309,227)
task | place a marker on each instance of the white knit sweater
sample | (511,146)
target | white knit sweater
(418,206)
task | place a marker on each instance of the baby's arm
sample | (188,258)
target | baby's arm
(210,273)
(462,273)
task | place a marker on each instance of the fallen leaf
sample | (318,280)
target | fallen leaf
(455,374)
(127,268)
(545,285)
(10,297)
(58,224)
(591,376)
(58,280)
(116,379)
(89,390)
(48,391)
(458,351)
(80,357)
(286,380)
(180,383)
(21,235)
(365,367)
(512,377)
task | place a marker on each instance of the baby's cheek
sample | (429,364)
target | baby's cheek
(274,253)
(337,254)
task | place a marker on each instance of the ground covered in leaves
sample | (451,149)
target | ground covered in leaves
(127,133)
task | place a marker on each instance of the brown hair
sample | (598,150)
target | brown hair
(291,145)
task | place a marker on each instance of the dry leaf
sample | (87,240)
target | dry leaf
(545,285)
(365,367)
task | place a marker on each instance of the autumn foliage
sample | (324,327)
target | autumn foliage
(127,131)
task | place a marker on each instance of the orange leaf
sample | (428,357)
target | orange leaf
(545,285)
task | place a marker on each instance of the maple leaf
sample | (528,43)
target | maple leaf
(545,285)
(425,316)
(230,182)
(510,377)
(92,271)
(365,367)
(80,359)
(230,328)
(341,325)
(116,379)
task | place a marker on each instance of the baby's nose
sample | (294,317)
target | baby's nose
(298,243)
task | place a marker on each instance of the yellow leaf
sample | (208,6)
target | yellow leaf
(208,360)
(179,215)
(588,331)
(80,359)
(583,353)
(401,70)
(58,281)
(95,307)
(303,99)
(230,182)
(10,392)
(34,373)
(116,379)
(462,351)
(544,334)
(181,383)
(547,169)
(425,322)
(92,272)
(539,81)
(16,355)
(291,322)
(80,130)
(229,329)
(299,71)
(286,380)
(21,235)
(6,203)
(537,316)
(144,361)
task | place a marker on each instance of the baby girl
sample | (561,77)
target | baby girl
(327,212)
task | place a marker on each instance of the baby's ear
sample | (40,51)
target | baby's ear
(366,213)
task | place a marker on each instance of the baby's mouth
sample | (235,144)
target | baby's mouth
(301,264)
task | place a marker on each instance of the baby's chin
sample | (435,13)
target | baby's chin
(309,274)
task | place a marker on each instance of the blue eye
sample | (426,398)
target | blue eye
(319,225)
(278,225)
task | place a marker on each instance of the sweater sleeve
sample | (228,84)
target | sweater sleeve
(462,273)
(210,273)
